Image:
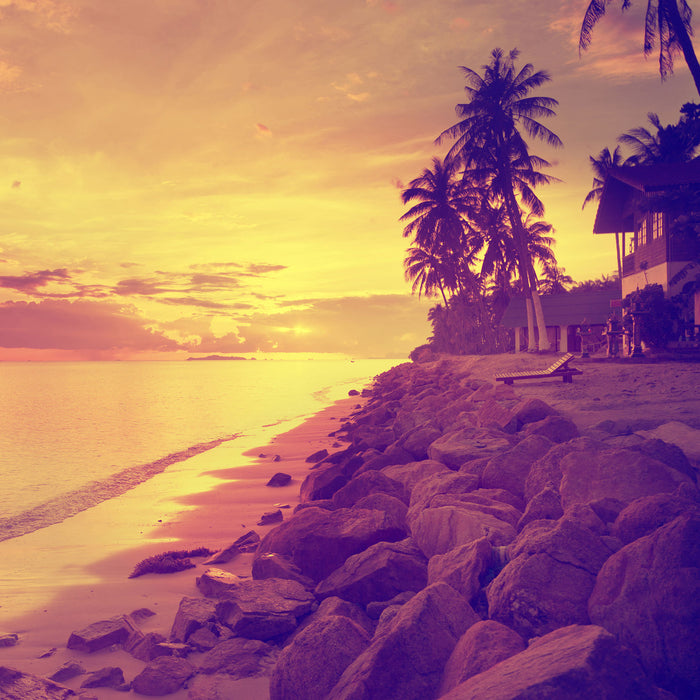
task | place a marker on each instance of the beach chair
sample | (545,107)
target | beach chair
(560,368)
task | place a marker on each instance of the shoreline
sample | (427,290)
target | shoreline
(228,503)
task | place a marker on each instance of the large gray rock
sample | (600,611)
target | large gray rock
(646,594)
(162,676)
(547,583)
(643,516)
(413,472)
(238,658)
(100,635)
(322,482)
(215,582)
(379,573)
(546,505)
(395,509)
(466,568)
(264,609)
(365,484)
(17,685)
(555,428)
(192,613)
(568,664)
(622,474)
(417,440)
(313,663)
(445,481)
(319,541)
(482,646)
(273,565)
(405,661)
(457,519)
(460,446)
(508,470)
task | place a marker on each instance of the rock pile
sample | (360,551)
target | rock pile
(464,544)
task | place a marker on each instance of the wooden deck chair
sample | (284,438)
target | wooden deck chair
(560,368)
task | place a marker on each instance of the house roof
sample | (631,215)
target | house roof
(623,184)
(569,309)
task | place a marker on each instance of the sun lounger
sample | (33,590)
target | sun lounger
(560,368)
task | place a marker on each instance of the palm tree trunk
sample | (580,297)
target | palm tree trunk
(619,259)
(671,7)
(531,341)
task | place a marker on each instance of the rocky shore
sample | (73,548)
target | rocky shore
(464,540)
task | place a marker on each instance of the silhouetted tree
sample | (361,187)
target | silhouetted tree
(555,280)
(491,148)
(666,21)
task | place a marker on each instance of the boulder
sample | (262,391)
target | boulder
(280,479)
(238,658)
(622,474)
(17,685)
(309,667)
(322,482)
(546,505)
(100,635)
(413,472)
(273,565)
(405,661)
(379,573)
(368,436)
(319,541)
(338,606)
(643,516)
(568,664)
(162,676)
(192,613)
(264,609)
(482,646)
(215,582)
(395,509)
(497,414)
(445,481)
(417,441)
(646,594)
(508,470)
(68,670)
(467,568)
(438,530)
(317,456)
(376,608)
(108,677)
(549,579)
(365,484)
(8,640)
(532,411)
(144,646)
(460,446)
(547,470)
(555,428)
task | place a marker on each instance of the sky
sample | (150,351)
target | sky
(193,177)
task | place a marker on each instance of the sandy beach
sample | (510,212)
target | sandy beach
(232,496)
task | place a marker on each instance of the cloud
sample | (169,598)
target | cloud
(78,325)
(31,282)
(262,131)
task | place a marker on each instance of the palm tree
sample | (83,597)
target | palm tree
(426,272)
(493,152)
(674,143)
(601,165)
(555,280)
(667,21)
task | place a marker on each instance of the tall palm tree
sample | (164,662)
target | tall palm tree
(426,271)
(667,21)
(674,143)
(491,148)
(555,280)
(600,166)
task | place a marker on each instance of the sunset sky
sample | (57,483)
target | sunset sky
(216,176)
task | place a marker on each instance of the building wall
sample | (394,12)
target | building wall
(638,280)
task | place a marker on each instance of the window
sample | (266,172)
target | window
(642,233)
(657,225)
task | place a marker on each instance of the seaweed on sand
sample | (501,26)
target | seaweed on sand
(169,562)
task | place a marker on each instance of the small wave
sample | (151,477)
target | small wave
(95,492)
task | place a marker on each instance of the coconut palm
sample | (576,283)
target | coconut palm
(674,143)
(555,280)
(489,145)
(426,271)
(600,166)
(666,21)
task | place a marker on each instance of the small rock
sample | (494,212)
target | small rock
(279,479)
(108,677)
(276,458)
(317,456)
(215,582)
(8,640)
(353,392)
(47,654)
(69,670)
(271,517)
(162,676)
(100,635)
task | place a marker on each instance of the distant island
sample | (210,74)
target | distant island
(218,357)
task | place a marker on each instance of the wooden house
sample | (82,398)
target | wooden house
(654,208)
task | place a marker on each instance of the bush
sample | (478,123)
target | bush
(660,318)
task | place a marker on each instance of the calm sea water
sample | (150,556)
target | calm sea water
(71,433)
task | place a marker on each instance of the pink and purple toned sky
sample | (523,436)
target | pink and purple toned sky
(193,177)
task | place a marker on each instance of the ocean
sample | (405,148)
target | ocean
(74,434)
